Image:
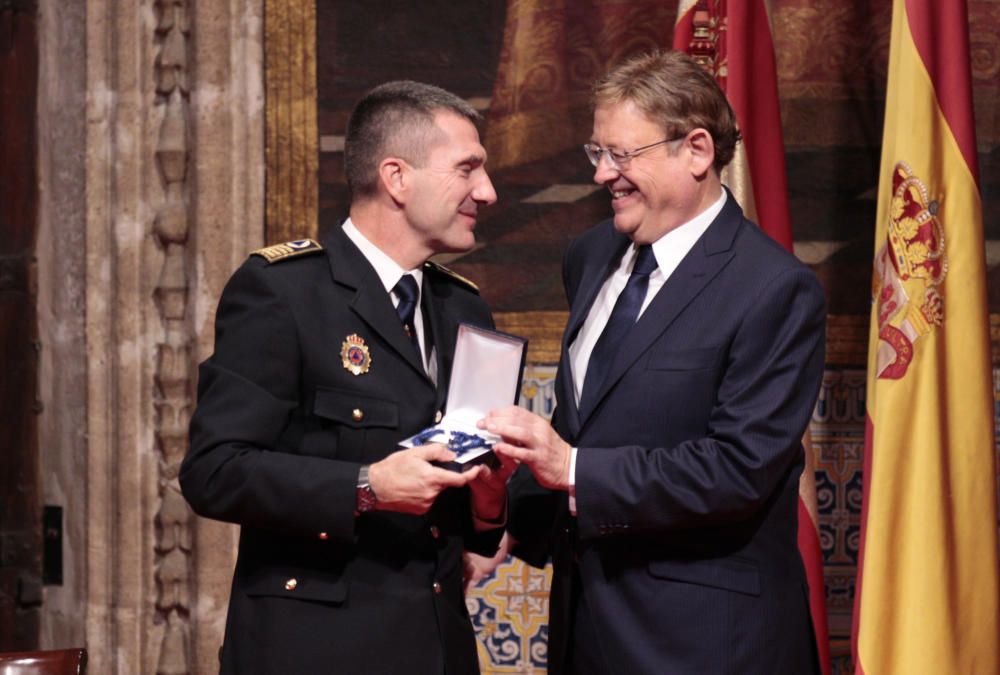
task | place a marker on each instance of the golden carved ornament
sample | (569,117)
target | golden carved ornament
(292,134)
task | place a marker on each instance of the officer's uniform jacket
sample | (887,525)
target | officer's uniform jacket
(283,425)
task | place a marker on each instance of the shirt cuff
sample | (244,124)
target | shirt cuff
(482,525)
(572,480)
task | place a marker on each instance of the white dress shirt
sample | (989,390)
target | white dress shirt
(389,273)
(668,250)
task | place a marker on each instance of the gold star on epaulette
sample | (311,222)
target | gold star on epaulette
(289,249)
(454,275)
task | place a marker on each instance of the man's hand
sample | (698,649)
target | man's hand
(489,489)
(407,482)
(530,439)
(477,567)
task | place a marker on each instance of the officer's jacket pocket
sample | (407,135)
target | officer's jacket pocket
(350,427)
(730,574)
(289,584)
(354,410)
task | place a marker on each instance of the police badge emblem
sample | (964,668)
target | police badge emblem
(354,355)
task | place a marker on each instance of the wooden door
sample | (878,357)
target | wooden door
(20,505)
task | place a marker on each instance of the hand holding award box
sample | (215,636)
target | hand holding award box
(485,374)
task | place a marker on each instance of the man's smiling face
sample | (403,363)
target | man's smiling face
(657,190)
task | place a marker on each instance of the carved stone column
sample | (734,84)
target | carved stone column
(121,473)
(174,200)
(227,210)
(173,374)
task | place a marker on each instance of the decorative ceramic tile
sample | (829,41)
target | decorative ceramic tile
(510,612)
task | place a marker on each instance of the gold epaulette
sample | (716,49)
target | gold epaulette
(454,275)
(289,249)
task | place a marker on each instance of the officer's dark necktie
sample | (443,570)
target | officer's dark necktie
(407,292)
(622,318)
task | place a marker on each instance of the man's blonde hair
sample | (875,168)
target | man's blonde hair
(675,92)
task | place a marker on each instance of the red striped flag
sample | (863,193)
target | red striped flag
(733,40)
(926,599)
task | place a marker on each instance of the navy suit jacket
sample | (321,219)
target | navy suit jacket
(688,467)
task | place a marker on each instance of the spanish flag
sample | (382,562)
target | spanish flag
(926,599)
(733,40)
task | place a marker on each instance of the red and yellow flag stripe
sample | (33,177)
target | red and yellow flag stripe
(733,39)
(927,598)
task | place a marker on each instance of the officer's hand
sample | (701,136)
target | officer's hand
(489,489)
(530,439)
(407,482)
(475,567)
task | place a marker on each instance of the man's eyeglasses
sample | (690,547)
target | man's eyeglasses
(620,160)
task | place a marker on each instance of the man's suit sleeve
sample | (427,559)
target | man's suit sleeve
(764,400)
(247,393)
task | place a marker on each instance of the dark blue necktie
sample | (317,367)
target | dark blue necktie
(407,292)
(622,318)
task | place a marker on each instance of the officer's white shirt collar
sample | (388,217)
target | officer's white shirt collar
(389,273)
(388,270)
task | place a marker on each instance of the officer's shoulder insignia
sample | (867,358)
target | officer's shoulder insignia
(450,273)
(289,249)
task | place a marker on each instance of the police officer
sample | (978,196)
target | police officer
(326,356)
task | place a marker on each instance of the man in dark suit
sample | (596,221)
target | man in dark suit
(666,494)
(326,356)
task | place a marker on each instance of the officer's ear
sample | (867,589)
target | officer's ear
(394,174)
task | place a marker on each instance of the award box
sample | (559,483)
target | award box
(485,374)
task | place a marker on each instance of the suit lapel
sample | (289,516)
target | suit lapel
(710,254)
(590,285)
(371,303)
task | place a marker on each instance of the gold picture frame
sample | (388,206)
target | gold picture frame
(291,145)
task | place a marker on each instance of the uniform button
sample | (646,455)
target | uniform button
(324,536)
(437,417)
(291,584)
(437,587)
(435,532)
(357,414)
